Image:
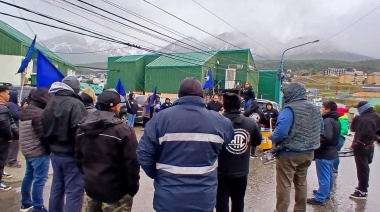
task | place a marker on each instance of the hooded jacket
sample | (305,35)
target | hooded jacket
(179,150)
(13,107)
(106,153)
(61,117)
(343,125)
(329,138)
(366,127)
(32,139)
(8,132)
(270,114)
(235,155)
(255,112)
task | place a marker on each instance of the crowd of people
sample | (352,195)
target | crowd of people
(197,153)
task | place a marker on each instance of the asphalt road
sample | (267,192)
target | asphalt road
(260,195)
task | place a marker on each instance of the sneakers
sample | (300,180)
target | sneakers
(335,171)
(315,193)
(313,201)
(6,175)
(40,209)
(14,164)
(4,187)
(358,195)
(25,208)
(253,156)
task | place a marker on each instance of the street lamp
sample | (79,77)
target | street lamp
(282,69)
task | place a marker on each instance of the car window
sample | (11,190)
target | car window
(141,99)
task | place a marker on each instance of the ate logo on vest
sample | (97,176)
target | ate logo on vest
(240,143)
(255,117)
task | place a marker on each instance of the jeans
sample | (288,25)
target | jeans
(325,178)
(342,139)
(36,173)
(131,119)
(67,180)
(292,168)
(234,188)
(363,157)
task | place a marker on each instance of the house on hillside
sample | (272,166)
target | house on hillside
(369,91)
(356,77)
(336,72)
(373,78)
(13,47)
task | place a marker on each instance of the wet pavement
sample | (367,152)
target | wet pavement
(261,190)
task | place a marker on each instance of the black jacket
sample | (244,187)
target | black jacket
(132,106)
(256,113)
(166,105)
(235,155)
(270,114)
(366,128)
(106,154)
(215,106)
(8,132)
(60,120)
(330,137)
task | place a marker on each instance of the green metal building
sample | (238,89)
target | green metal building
(230,68)
(13,42)
(269,83)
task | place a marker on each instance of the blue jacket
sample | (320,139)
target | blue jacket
(179,150)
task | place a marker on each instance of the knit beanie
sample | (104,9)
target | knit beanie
(231,101)
(190,87)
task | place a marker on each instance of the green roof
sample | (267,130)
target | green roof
(129,58)
(374,101)
(96,88)
(182,59)
(6,28)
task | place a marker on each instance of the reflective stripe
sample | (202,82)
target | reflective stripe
(110,136)
(187,170)
(204,137)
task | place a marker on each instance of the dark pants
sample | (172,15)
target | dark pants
(67,180)
(363,157)
(13,152)
(253,150)
(234,188)
(145,120)
(4,148)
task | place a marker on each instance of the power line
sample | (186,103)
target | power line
(232,26)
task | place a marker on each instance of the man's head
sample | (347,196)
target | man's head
(72,82)
(328,106)
(363,106)
(41,96)
(158,98)
(231,101)
(4,94)
(294,92)
(247,84)
(132,96)
(269,106)
(167,100)
(190,87)
(109,100)
(215,98)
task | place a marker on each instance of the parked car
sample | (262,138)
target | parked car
(25,91)
(140,99)
(262,104)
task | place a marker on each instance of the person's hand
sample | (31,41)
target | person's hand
(25,105)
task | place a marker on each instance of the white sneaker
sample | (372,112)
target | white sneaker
(6,175)
(4,187)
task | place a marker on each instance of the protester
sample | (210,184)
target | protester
(252,110)
(343,119)
(60,120)
(89,99)
(215,105)
(366,127)
(296,136)
(270,114)
(147,114)
(106,153)
(179,150)
(8,132)
(327,153)
(157,105)
(26,100)
(233,161)
(14,147)
(36,151)
(248,90)
(167,104)
(132,108)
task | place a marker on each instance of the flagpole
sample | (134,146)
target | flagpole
(22,86)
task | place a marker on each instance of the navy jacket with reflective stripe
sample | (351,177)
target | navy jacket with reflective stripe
(179,150)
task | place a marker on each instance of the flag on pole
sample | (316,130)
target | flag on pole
(47,73)
(152,99)
(209,80)
(28,57)
(120,88)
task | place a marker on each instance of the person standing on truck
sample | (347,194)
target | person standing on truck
(132,108)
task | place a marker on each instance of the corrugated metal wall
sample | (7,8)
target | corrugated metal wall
(9,46)
(168,79)
(268,85)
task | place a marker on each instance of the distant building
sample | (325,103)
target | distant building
(336,72)
(370,91)
(356,77)
(373,78)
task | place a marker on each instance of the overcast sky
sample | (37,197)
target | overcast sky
(273,23)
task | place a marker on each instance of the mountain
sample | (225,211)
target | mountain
(77,50)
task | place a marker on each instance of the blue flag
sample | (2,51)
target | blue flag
(28,57)
(152,99)
(209,80)
(47,73)
(120,88)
